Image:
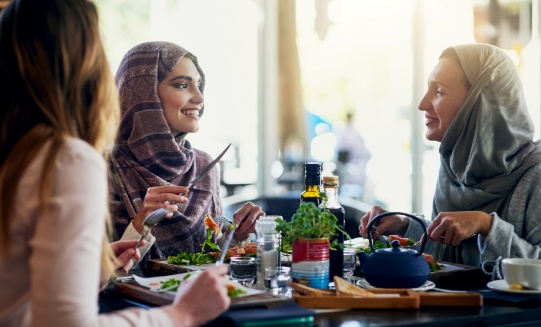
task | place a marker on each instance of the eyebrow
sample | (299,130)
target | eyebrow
(437,83)
(182,77)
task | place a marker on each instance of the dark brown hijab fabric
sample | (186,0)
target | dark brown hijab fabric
(488,146)
(147,154)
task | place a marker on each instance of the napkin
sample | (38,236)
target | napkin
(286,315)
(496,297)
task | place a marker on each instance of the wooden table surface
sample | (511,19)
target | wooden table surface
(492,313)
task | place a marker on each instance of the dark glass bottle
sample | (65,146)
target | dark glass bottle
(336,260)
(312,182)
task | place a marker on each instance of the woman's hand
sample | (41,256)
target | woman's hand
(245,219)
(124,252)
(166,196)
(454,227)
(201,298)
(387,225)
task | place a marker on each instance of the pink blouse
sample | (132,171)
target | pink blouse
(52,272)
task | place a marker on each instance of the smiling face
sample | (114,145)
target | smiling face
(181,98)
(447,92)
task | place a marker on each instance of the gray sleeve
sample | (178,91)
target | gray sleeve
(519,233)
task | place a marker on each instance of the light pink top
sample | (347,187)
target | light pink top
(51,276)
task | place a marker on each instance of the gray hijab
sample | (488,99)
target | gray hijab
(488,146)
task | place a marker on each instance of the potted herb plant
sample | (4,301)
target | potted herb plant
(309,235)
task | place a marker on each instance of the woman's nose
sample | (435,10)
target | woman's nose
(198,97)
(424,104)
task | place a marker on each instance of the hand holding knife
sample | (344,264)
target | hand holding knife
(207,169)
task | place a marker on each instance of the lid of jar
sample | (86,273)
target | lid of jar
(330,180)
(265,226)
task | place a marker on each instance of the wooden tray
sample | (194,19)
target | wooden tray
(408,299)
(142,293)
(162,267)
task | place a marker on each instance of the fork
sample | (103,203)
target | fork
(414,244)
(226,244)
(150,221)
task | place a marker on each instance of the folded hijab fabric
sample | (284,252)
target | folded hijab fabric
(147,154)
(489,145)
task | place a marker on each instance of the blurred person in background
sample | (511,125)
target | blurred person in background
(353,156)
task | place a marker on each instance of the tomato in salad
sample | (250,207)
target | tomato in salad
(404,241)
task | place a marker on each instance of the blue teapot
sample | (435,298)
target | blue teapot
(395,267)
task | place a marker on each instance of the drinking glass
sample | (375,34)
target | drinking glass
(350,258)
(243,270)
(277,280)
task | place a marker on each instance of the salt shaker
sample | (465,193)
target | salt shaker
(268,249)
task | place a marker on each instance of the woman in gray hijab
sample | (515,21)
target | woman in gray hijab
(488,195)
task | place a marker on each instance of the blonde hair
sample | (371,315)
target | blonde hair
(56,83)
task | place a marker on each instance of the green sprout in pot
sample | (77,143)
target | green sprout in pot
(310,222)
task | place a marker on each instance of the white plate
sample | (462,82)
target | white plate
(502,286)
(154,284)
(362,283)
(357,243)
(198,267)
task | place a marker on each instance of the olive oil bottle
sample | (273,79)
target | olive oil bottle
(312,182)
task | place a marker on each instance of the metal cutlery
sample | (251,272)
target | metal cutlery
(161,290)
(150,221)
(207,168)
(226,244)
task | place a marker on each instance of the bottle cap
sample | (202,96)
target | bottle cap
(330,180)
(312,167)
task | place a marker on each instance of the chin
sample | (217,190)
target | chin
(433,137)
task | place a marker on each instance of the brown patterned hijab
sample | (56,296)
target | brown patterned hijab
(147,154)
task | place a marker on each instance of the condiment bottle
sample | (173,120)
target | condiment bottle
(312,181)
(268,247)
(330,202)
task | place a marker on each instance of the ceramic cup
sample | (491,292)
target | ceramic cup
(526,272)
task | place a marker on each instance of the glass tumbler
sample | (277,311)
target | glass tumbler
(277,280)
(243,270)
(350,259)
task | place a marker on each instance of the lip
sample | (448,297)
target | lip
(430,119)
(191,108)
(195,117)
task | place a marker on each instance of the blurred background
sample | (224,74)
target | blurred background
(283,75)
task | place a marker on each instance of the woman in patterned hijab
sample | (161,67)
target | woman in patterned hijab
(487,199)
(161,93)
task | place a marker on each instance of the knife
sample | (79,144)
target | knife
(227,242)
(207,168)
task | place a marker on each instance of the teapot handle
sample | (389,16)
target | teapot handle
(385,214)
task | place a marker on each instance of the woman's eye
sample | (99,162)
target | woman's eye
(181,85)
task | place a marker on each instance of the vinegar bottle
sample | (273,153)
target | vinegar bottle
(312,181)
(330,187)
